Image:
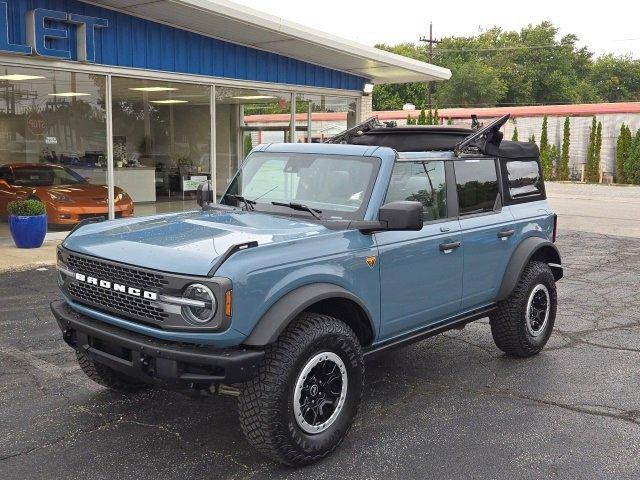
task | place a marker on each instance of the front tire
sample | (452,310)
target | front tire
(523,322)
(306,395)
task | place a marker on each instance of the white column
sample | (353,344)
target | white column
(212,148)
(110,175)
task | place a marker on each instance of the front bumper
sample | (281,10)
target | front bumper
(152,360)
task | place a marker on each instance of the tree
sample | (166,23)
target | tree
(591,167)
(598,149)
(429,119)
(422,118)
(632,166)
(532,138)
(545,157)
(623,147)
(554,158)
(436,117)
(563,167)
(472,84)
(450,121)
(514,137)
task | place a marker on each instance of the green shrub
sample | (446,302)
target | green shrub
(563,167)
(26,208)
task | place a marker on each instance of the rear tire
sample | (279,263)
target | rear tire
(523,322)
(303,401)
(108,377)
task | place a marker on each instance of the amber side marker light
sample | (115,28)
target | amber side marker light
(228,300)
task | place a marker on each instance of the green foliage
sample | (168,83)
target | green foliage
(429,118)
(592,172)
(632,166)
(554,160)
(545,150)
(436,117)
(514,137)
(248,144)
(422,118)
(449,121)
(563,167)
(532,138)
(623,148)
(499,67)
(26,208)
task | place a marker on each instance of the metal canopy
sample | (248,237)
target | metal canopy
(238,24)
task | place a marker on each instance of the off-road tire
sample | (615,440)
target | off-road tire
(266,403)
(509,323)
(107,377)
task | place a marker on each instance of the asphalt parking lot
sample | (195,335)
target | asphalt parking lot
(449,407)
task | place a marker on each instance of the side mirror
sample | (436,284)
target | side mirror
(204,195)
(402,215)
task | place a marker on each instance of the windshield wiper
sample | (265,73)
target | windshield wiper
(248,204)
(300,206)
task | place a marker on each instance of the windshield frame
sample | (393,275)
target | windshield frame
(327,214)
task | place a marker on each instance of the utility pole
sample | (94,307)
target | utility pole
(430,41)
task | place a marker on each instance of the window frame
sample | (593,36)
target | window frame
(499,178)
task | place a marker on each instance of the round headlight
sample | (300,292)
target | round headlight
(202,304)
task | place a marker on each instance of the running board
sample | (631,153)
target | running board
(431,331)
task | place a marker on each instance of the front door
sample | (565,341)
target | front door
(420,272)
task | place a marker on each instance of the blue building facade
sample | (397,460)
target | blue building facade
(146,109)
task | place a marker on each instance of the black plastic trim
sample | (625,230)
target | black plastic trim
(153,360)
(431,330)
(519,259)
(287,308)
(230,251)
(86,221)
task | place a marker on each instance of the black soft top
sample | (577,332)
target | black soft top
(487,140)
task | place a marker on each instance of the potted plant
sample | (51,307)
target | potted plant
(27,222)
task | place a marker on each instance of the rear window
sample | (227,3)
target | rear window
(477,185)
(523,179)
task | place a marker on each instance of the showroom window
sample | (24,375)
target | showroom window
(53,142)
(245,118)
(319,117)
(161,142)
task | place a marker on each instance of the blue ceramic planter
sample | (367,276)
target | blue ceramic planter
(28,232)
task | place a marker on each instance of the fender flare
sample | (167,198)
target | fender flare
(524,252)
(287,308)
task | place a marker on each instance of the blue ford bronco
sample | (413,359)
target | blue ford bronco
(314,257)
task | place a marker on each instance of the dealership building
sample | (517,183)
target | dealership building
(152,97)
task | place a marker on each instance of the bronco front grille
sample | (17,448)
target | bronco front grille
(116,273)
(124,304)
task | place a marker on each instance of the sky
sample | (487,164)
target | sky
(601,28)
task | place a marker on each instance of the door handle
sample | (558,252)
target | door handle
(504,234)
(447,247)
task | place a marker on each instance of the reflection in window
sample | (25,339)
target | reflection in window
(335,184)
(319,117)
(524,178)
(422,182)
(477,184)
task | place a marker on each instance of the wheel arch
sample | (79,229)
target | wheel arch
(325,298)
(532,248)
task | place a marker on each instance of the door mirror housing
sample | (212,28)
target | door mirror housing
(204,195)
(402,215)
(395,216)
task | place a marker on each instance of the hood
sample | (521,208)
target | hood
(187,243)
(80,191)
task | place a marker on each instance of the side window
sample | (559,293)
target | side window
(523,178)
(422,182)
(477,185)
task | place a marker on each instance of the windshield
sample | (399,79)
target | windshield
(44,177)
(336,186)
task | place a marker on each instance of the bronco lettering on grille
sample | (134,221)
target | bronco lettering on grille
(136,292)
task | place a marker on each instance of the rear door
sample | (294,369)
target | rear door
(488,232)
(421,272)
